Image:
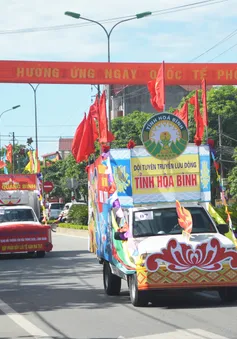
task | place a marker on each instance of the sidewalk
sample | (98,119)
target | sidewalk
(71,231)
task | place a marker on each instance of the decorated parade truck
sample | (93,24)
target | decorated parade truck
(20,228)
(150,218)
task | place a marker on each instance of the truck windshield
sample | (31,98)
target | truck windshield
(165,222)
(12,215)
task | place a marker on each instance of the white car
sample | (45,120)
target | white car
(67,207)
(55,208)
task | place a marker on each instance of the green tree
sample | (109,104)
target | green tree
(60,171)
(232,178)
(129,127)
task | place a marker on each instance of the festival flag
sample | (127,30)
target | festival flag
(2,164)
(36,162)
(157,90)
(87,146)
(30,166)
(198,119)
(92,116)
(183,113)
(204,103)
(4,160)
(104,134)
(103,126)
(94,108)
(9,149)
(78,137)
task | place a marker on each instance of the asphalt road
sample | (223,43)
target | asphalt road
(61,296)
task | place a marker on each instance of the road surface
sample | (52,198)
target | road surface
(61,296)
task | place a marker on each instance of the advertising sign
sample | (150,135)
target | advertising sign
(185,178)
(165,136)
(15,182)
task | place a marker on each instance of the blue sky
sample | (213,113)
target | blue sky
(172,37)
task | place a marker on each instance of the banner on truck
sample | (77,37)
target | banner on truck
(186,178)
(15,182)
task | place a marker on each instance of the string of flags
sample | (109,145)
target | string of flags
(218,176)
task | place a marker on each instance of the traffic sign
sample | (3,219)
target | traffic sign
(48,186)
(72,183)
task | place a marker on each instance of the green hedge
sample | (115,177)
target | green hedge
(78,214)
(73,226)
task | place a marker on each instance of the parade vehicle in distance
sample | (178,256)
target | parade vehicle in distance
(20,228)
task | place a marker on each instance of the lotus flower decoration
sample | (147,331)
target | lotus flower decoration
(182,257)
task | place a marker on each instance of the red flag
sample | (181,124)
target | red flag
(157,90)
(93,123)
(94,109)
(2,164)
(103,127)
(87,146)
(111,137)
(204,102)
(9,153)
(77,137)
(183,113)
(198,119)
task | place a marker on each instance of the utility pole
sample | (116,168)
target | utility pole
(98,90)
(220,146)
(13,148)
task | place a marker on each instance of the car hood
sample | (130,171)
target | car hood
(155,244)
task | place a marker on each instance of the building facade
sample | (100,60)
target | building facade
(127,99)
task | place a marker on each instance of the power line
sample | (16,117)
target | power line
(229,36)
(154,13)
(225,51)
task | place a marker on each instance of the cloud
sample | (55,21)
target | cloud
(90,43)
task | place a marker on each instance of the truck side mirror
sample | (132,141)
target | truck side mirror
(119,236)
(223,228)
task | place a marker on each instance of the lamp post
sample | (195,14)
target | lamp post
(108,34)
(7,110)
(36,118)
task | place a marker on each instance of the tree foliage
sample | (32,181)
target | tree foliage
(129,127)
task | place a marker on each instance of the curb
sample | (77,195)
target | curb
(71,231)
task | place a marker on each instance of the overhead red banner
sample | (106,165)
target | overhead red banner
(116,73)
(18,182)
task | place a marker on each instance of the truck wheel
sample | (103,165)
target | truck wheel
(40,254)
(112,283)
(138,298)
(228,294)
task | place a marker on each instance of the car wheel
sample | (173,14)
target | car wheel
(40,254)
(228,294)
(138,298)
(112,283)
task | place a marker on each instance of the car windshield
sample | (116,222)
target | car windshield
(165,222)
(12,215)
(56,206)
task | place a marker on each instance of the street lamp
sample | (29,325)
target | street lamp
(36,123)
(108,34)
(10,109)
(7,110)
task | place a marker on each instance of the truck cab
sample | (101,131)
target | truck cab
(16,214)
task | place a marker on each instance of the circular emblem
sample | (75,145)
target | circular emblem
(165,136)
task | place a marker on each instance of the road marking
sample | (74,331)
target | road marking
(192,333)
(21,321)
